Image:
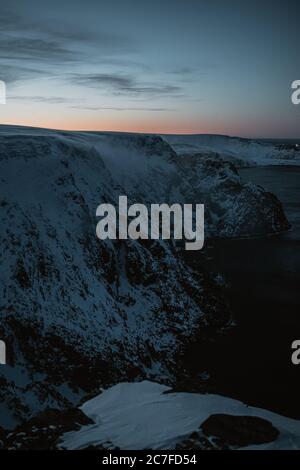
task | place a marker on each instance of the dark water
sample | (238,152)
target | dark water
(253,362)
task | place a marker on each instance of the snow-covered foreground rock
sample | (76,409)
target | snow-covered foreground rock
(143,416)
(78,313)
(241,152)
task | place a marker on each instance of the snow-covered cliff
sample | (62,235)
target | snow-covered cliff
(241,152)
(78,313)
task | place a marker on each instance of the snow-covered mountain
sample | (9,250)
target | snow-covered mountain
(78,313)
(241,152)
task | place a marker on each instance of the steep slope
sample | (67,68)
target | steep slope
(241,152)
(77,313)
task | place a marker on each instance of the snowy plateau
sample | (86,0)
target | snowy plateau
(79,314)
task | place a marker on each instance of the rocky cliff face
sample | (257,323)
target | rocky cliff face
(234,208)
(78,313)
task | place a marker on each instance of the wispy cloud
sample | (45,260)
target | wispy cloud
(182,71)
(41,99)
(12,72)
(103,108)
(95,80)
(31,49)
(125,84)
(57,43)
(13,47)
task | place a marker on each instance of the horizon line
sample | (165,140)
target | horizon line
(148,133)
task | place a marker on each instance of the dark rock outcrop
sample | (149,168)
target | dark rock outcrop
(240,431)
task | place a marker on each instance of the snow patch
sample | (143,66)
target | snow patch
(142,415)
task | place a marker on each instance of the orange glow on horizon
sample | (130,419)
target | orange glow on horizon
(148,125)
(157,127)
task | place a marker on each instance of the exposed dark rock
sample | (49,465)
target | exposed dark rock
(43,431)
(240,431)
(196,441)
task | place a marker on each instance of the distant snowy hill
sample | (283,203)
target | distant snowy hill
(242,152)
(77,313)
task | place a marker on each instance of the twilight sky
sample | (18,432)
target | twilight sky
(152,66)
